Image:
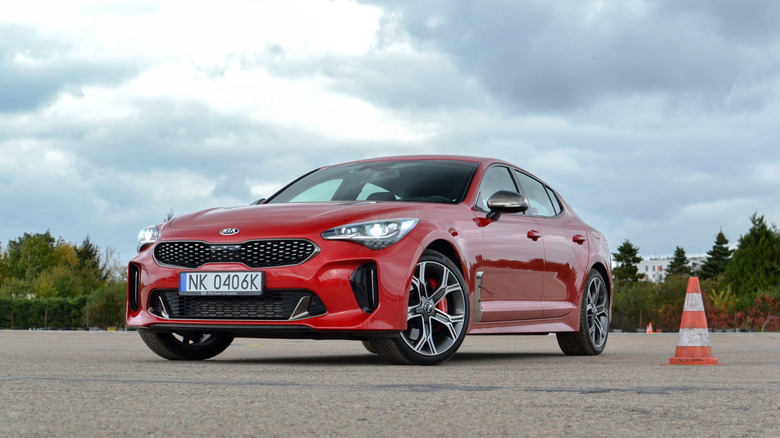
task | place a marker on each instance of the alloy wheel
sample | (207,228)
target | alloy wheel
(437,310)
(597,312)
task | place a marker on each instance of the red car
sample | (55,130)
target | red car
(407,254)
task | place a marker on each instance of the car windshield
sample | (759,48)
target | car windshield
(444,181)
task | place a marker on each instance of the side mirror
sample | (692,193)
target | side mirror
(505,201)
(258,202)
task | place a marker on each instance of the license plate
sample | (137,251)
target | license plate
(221,283)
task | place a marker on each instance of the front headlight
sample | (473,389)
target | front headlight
(377,234)
(147,236)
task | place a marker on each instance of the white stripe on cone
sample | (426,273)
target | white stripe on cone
(693,303)
(693,337)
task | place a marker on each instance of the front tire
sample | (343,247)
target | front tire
(185,346)
(368,346)
(437,315)
(591,339)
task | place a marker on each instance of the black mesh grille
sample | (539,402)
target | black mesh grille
(254,254)
(272,305)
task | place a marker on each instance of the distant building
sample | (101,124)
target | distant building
(654,268)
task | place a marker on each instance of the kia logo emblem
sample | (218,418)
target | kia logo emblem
(229,231)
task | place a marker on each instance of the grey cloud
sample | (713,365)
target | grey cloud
(34,70)
(542,56)
(385,77)
(407,83)
(749,21)
(652,122)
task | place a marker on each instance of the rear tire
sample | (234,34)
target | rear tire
(185,346)
(591,339)
(437,315)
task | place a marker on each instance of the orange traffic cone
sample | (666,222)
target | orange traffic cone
(649,328)
(693,343)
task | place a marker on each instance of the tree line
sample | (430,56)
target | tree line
(48,282)
(740,287)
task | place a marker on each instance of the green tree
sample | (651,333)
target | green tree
(626,260)
(60,281)
(3,267)
(113,268)
(755,265)
(29,255)
(15,288)
(88,255)
(679,264)
(35,265)
(632,307)
(667,302)
(717,258)
(90,267)
(105,307)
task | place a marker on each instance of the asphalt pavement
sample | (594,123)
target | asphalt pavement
(79,384)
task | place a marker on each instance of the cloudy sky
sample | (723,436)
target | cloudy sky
(659,121)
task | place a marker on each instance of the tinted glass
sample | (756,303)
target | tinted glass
(418,181)
(496,178)
(555,202)
(536,192)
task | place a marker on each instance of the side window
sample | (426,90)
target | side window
(536,192)
(555,201)
(496,178)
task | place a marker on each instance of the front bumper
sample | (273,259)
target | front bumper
(314,299)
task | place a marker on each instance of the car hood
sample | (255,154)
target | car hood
(288,219)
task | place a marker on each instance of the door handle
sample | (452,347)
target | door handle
(579,239)
(534,235)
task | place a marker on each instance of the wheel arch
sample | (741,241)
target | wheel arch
(602,269)
(604,274)
(446,249)
(418,344)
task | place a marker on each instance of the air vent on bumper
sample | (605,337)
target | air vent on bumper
(133,287)
(273,305)
(365,286)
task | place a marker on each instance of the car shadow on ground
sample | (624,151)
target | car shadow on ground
(368,359)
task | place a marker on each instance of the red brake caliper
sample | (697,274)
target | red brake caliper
(432,284)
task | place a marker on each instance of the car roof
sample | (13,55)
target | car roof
(474,159)
(483,161)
